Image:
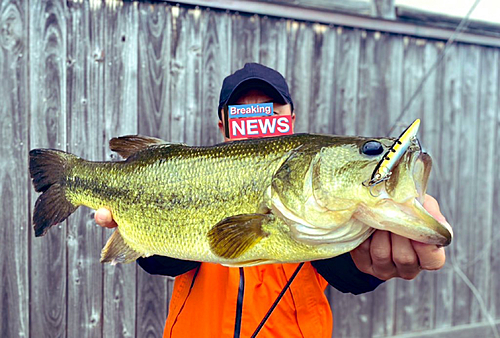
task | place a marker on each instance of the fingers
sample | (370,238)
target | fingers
(430,256)
(381,255)
(361,257)
(432,207)
(104,218)
(404,257)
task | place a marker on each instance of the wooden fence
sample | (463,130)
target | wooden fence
(74,73)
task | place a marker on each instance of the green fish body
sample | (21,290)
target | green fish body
(284,199)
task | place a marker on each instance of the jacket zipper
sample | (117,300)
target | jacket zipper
(239,305)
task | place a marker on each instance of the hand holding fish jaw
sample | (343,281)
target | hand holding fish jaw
(386,255)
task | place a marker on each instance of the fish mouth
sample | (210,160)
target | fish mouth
(420,171)
(407,216)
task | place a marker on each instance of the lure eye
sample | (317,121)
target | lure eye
(372,148)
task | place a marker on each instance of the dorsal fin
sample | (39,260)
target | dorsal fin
(130,144)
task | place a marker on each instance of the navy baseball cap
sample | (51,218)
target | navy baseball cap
(254,75)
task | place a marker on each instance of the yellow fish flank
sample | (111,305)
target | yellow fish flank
(285,199)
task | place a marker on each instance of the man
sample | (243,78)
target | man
(210,300)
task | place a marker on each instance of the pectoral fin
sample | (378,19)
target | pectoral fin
(235,235)
(117,251)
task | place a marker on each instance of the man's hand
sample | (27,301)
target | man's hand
(104,218)
(386,255)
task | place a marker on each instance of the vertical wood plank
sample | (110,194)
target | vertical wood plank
(119,55)
(47,55)
(178,32)
(346,80)
(466,179)
(406,310)
(245,40)
(298,70)
(447,165)
(216,58)
(485,108)
(320,113)
(273,43)
(389,57)
(193,69)
(15,187)
(156,22)
(85,118)
(494,254)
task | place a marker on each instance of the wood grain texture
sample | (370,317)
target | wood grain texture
(493,252)
(466,213)
(85,113)
(48,129)
(157,37)
(299,70)
(216,66)
(244,39)
(14,182)
(346,80)
(194,74)
(76,74)
(447,165)
(119,56)
(405,319)
(319,114)
(484,233)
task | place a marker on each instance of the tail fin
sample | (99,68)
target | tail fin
(48,171)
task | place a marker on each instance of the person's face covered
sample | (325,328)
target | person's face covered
(258,96)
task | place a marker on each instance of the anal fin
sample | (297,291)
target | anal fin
(235,235)
(117,251)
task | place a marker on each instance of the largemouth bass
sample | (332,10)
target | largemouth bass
(284,199)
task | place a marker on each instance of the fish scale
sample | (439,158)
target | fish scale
(239,203)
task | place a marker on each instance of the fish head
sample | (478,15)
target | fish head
(339,174)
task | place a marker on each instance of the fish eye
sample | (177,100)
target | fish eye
(372,148)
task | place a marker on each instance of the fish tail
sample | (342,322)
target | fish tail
(48,170)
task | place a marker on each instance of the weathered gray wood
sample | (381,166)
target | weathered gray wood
(47,55)
(405,318)
(119,55)
(216,66)
(298,70)
(193,69)
(157,37)
(99,70)
(482,216)
(85,116)
(465,215)
(386,96)
(14,181)
(346,80)
(244,39)
(448,166)
(493,254)
(320,114)
(273,43)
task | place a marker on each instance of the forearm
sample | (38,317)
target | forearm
(166,266)
(341,273)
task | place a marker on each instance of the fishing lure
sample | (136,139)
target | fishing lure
(383,170)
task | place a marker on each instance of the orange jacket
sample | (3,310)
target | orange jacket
(205,300)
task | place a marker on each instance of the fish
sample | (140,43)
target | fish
(285,199)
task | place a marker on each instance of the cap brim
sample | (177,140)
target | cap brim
(246,83)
